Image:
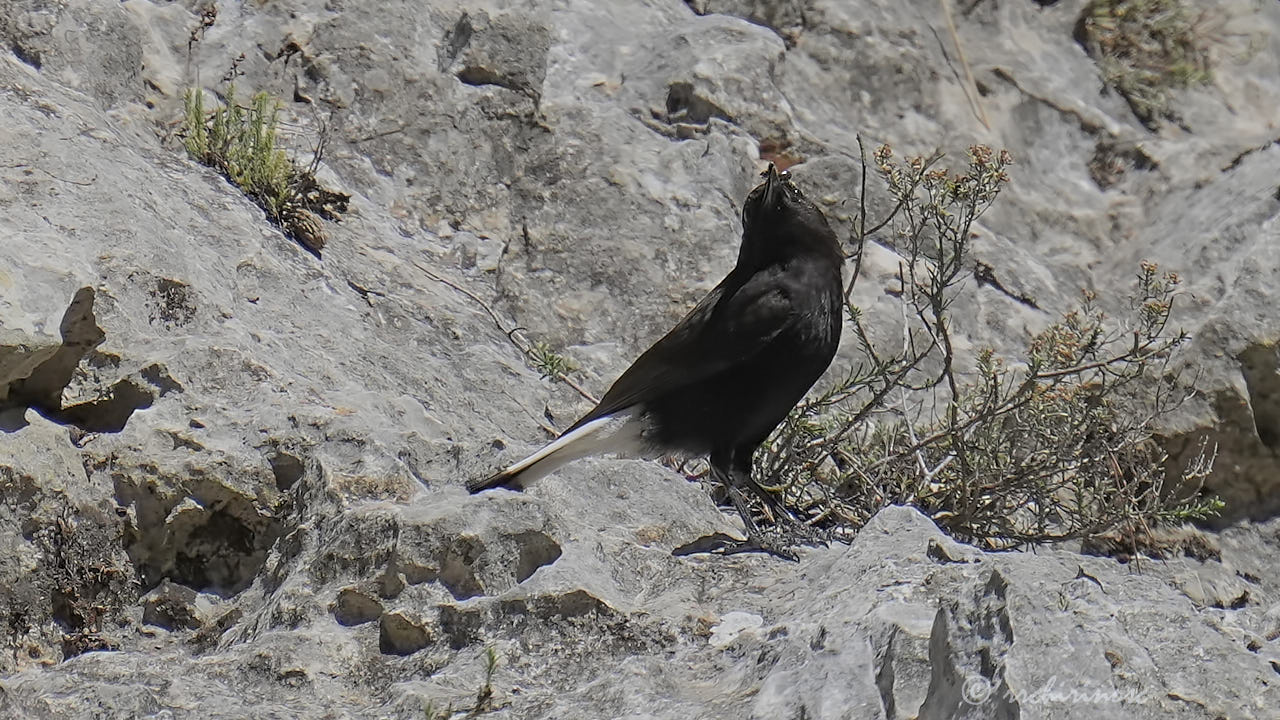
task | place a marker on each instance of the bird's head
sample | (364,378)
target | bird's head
(779,221)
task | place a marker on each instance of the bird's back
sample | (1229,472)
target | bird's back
(745,400)
(739,361)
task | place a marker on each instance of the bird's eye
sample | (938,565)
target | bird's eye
(785,176)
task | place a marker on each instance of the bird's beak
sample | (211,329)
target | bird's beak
(772,186)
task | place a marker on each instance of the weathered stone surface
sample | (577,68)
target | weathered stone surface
(203,425)
(177,607)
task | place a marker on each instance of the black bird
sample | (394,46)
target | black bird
(732,369)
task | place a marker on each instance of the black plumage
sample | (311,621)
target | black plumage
(732,369)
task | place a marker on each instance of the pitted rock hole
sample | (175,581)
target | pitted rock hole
(1260,365)
(217,546)
(507,50)
(355,608)
(481,75)
(415,574)
(398,635)
(458,568)
(172,303)
(536,550)
(286,468)
(686,106)
(171,606)
(575,603)
(390,583)
(42,389)
(158,375)
(461,627)
(400,573)
(108,413)
(470,566)
(218,555)
(358,545)
(77,361)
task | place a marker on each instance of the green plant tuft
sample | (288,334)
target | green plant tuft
(241,142)
(548,362)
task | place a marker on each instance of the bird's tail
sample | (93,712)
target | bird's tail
(618,433)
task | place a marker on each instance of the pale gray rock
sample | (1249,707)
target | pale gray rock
(205,427)
(177,607)
(92,48)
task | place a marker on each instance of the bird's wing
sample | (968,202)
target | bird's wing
(729,325)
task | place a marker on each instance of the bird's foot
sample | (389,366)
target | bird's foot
(795,532)
(722,544)
(776,547)
(781,523)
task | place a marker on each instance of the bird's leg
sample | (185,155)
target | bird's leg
(744,509)
(790,528)
(787,523)
(728,473)
(776,508)
(681,463)
(756,540)
(734,477)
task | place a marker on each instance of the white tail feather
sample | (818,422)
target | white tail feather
(620,433)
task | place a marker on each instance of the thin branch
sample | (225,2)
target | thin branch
(512,335)
(971,87)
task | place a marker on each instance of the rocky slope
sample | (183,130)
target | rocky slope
(230,472)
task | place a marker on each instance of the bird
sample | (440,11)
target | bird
(728,373)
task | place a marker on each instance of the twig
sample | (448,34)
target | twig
(512,335)
(55,177)
(377,135)
(862,225)
(971,87)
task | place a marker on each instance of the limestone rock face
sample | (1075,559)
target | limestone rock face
(231,473)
